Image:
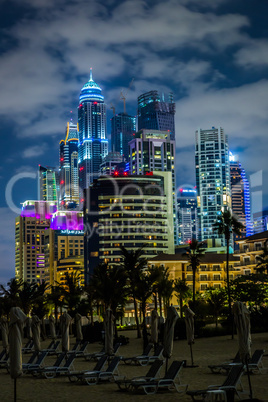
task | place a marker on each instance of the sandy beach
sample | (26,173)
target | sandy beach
(205,351)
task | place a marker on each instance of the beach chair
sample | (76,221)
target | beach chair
(225,366)
(2,354)
(255,364)
(158,354)
(81,351)
(135,359)
(4,361)
(35,365)
(98,355)
(74,376)
(57,371)
(133,383)
(52,347)
(28,347)
(31,360)
(110,374)
(57,363)
(171,381)
(232,383)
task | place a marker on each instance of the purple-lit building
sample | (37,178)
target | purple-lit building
(30,229)
(43,236)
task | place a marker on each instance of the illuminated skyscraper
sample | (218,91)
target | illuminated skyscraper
(155,113)
(187,215)
(240,196)
(69,183)
(123,128)
(154,151)
(47,183)
(93,143)
(212,179)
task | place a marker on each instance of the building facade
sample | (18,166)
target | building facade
(123,128)
(240,196)
(93,143)
(48,179)
(30,230)
(154,113)
(111,163)
(249,249)
(69,182)
(132,211)
(212,179)
(154,151)
(187,215)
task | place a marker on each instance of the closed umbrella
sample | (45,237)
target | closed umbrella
(52,327)
(66,320)
(242,323)
(35,326)
(189,323)
(78,324)
(4,330)
(172,317)
(109,331)
(154,326)
(17,320)
(28,324)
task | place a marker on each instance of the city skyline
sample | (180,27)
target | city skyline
(211,56)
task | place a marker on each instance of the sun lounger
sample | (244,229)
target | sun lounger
(232,383)
(110,374)
(28,347)
(98,355)
(36,365)
(136,359)
(133,383)
(158,354)
(74,376)
(81,351)
(52,348)
(57,363)
(169,382)
(65,369)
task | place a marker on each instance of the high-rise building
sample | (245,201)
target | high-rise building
(64,250)
(154,113)
(212,179)
(154,151)
(240,196)
(69,183)
(93,143)
(48,178)
(123,128)
(30,230)
(110,163)
(187,215)
(132,211)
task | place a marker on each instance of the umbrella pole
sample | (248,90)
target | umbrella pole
(191,349)
(249,381)
(15,389)
(166,365)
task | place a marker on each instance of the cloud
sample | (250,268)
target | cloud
(253,55)
(34,151)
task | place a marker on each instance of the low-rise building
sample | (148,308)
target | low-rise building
(249,249)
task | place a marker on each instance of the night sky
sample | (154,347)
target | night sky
(212,54)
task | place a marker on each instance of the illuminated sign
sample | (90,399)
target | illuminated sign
(72,232)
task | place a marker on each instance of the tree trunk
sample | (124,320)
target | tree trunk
(181,306)
(228,285)
(136,317)
(194,272)
(160,305)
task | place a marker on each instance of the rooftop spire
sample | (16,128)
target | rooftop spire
(90,79)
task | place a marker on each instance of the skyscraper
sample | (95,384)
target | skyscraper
(123,127)
(240,196)
(93,143)
(212,178)
(154,151)
(48,178)
(187,215)
(155,113)
(69,183)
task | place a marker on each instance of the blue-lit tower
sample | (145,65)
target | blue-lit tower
(93,144)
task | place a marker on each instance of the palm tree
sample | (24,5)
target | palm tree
(55,297)
(182,292)
(194,253)
(11,292)
(227,224)
(72,291)
(262,259)
(134,265)
(216,299)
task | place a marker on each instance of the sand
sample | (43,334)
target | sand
(205,351)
